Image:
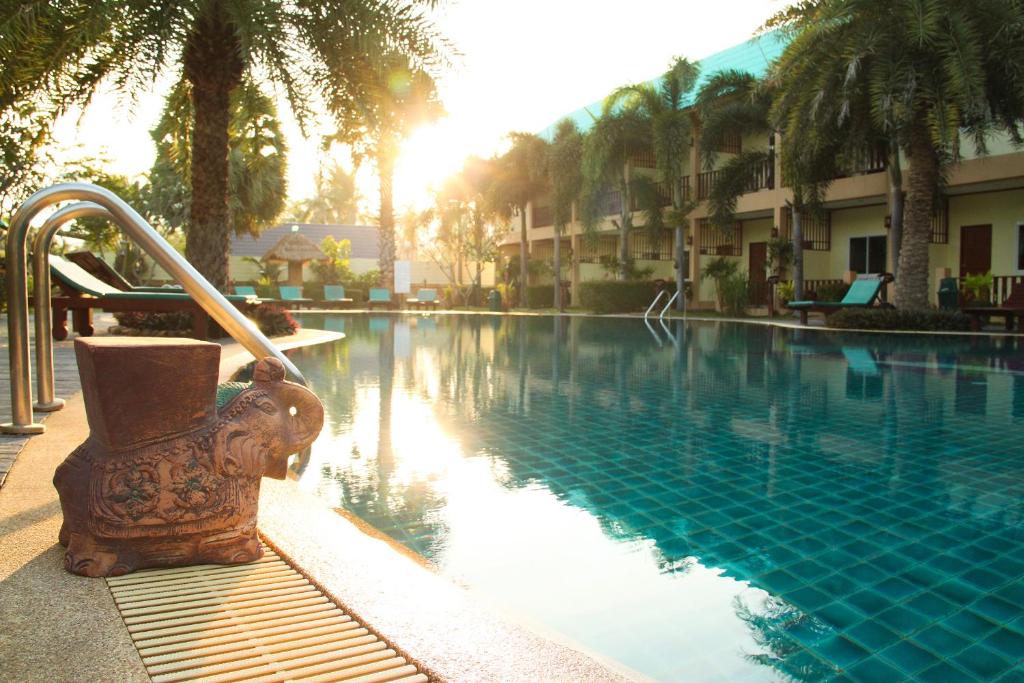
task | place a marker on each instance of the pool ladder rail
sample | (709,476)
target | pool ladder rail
(96,201)
(672,299)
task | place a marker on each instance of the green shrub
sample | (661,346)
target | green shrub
(616,296)
(274,321)
(734,293)
(832,291)
(153,324)
(540,296)
(931,320)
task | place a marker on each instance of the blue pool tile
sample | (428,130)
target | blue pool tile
(944,672)
(1008,642)
(931,605)
(982,662)
(940,639)
(902,620)
(970,623)
(996,608)
(910,658)
(838,615)
(869,601)
(875,670)
(873,635)
(842,651)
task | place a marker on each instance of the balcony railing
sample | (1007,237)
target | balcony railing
(1002,286)
(763,178)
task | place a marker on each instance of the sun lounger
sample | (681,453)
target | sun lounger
(1011,309)
(863,293)
(334,297)
(102,271)
(379,296)
(425,298)
(292,296)
(82,292)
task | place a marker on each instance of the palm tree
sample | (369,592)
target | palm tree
(398,100)
(926,71)
(521,178)
(257,155)
(335,200)
(671,133)
(565,176)
(59,53)
(469,195)
(618,135)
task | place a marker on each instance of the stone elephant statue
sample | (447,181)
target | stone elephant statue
(189,495)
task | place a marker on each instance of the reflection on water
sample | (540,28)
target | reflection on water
(701,501)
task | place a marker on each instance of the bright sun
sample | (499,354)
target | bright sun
(429,155)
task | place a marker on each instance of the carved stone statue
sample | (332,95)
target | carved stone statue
(170,473)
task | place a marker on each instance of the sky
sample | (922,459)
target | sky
(523,65)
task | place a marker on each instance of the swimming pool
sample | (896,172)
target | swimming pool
(706,501)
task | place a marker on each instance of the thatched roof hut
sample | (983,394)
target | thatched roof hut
(296,249)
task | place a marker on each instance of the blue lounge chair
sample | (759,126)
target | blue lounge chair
(379,296)
(334,297)
(292,296)
(863,293)
(425,298)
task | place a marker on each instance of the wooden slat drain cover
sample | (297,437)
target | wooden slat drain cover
(261,621)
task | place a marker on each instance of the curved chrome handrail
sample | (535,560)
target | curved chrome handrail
(212,301)
(47,401)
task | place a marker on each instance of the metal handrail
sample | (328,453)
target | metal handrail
(671,301)
(653,303)
(213,302)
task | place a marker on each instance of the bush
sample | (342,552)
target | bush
(158,324)
(274,321)
(734,291)
(616,296)
(540,296)
(831,291)
(932,320)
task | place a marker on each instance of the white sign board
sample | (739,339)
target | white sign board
(403,277)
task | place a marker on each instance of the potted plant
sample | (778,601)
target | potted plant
(978,289)
(719,269)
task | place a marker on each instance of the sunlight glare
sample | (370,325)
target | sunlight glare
(429,155)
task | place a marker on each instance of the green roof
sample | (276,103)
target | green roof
(753,56)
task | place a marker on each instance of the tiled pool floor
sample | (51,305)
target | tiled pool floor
(739,503)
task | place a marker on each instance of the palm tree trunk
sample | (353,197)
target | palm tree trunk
(557,256)
(677,202)
(212,64)
(523,271)
(895,174)
(386,171)
(798,253)
(912,285)
(478,249)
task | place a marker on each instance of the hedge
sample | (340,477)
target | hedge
(617,296)
(540,296)
(931,320)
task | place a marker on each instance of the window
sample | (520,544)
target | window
(1020,246)
(867,254)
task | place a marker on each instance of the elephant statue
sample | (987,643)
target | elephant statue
(182,487)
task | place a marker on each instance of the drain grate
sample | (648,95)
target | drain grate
(261,621)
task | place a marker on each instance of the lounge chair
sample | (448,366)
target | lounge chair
(379,296)
(425,298)
(245,290)
(102,271)
(863,293)
(292,296)
(1012,309)
(334,297)
(82,292)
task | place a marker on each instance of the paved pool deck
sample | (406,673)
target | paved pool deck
(56,626)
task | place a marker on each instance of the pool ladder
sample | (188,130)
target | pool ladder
(94,201)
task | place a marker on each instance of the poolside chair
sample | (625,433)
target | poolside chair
(425,298)
(334,297)
(82,292)
(379,296)
(292,296)
(102,271)
(863,293)
(1010,310)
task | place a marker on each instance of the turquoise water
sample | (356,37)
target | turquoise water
(706,502)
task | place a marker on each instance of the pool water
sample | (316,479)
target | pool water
(699,501)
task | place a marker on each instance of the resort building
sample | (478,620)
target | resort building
(363,238)
(979,229)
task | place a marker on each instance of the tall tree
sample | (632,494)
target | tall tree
(256,161)
(666,107)
(521,178)
(399,98)
(59,53)
(335,199)
(565,177)
(617,137)
(469,196)
(929,71)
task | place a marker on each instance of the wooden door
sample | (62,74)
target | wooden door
(758,274)
(975,249)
